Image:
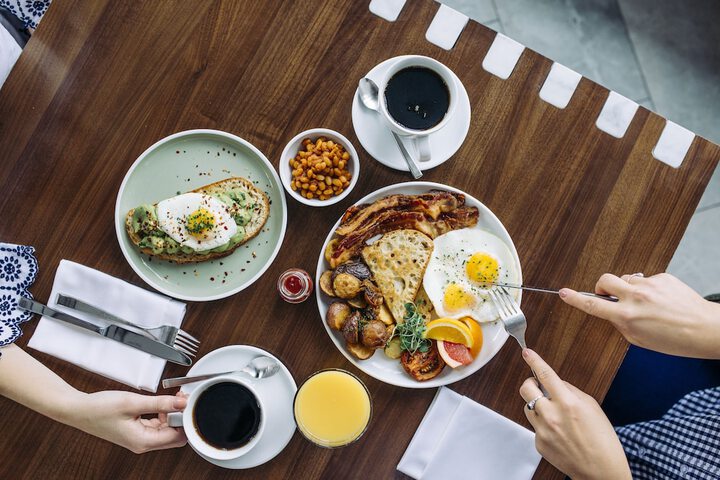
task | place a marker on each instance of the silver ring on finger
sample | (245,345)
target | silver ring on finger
(638,274)
(531,403)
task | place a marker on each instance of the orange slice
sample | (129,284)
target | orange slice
(449,330)
(477,335)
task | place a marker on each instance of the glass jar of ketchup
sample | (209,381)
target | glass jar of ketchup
(295,285)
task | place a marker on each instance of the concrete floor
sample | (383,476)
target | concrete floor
(663,54)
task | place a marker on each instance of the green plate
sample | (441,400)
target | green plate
(185,161)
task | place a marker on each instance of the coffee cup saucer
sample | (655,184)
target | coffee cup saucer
(376,138)
(277,394)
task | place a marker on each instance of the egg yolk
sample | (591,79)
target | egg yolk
(456,298)
(482,268)
(200,222)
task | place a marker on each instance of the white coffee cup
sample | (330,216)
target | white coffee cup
(419,137)
(185,419)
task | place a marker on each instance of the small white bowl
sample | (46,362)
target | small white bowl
(292,149)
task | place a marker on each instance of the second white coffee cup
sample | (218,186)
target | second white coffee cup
(419,137)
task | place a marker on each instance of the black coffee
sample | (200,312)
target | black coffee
(227,415)
(417,98)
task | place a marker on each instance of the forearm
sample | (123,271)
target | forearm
(30,383)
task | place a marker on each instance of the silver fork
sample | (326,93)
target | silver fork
(167,334)
(513,320)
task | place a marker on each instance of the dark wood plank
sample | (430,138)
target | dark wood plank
(101,81)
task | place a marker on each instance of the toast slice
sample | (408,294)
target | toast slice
(259,215)
(398,261)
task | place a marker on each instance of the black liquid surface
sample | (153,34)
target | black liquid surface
(417,98)
(227,415)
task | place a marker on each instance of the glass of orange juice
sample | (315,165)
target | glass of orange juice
(332,408)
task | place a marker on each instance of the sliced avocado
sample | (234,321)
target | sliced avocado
(225,199)
(144,219)
(242,217)
(171,246)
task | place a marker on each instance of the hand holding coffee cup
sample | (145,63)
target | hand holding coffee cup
(418,98)
(224,418)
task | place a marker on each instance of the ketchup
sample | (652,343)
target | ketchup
(294,285)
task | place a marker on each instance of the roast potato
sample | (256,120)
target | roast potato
(372,294)
(358,302)
(337,314)
(330,249)
(361,352)
(351,328)
(384,315)
(346,285)
(326,284)
(392,348)
(374,334)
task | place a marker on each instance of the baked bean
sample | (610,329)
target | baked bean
(318,170)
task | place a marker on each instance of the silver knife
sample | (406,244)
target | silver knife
(609,298)
(112,332)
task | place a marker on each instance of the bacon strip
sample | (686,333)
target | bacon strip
(433,204)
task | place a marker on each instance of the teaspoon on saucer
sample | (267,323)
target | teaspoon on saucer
(259,367)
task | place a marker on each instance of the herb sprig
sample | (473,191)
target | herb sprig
(411,331)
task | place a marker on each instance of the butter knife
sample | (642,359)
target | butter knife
(112,332)
(609,298)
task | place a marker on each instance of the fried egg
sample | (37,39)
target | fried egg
(463,265)
(198,221)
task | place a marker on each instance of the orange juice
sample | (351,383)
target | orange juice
(332,408)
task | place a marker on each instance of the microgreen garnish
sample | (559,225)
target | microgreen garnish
(411,331)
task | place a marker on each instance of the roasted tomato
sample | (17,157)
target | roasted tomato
(423,365)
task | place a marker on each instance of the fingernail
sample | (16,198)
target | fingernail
(563,293)
(526,352)
(179,402)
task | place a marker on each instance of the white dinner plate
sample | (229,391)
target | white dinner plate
(388,370)
(277,393)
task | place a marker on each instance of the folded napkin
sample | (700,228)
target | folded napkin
(93,352)
(459,438)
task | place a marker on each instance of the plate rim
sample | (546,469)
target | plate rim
(119,230)
(320,265)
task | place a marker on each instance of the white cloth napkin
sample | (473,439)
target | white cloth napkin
(95,353)
(459,438)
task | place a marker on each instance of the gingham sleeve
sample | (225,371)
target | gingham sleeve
(684,443)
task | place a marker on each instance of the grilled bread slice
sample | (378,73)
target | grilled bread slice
(259,215)
(398,261)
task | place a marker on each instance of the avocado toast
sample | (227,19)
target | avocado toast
(248,206)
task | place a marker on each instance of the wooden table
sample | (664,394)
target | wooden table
(100,81)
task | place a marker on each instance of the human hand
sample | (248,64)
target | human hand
(116,416)
(659,312)
(571,430)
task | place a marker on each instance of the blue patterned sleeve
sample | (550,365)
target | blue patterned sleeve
(27,11)
(18,269)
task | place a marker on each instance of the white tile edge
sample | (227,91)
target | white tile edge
(502,56)
(616,115)
(673,144)
(387,9)
(560,85)
(446,27)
